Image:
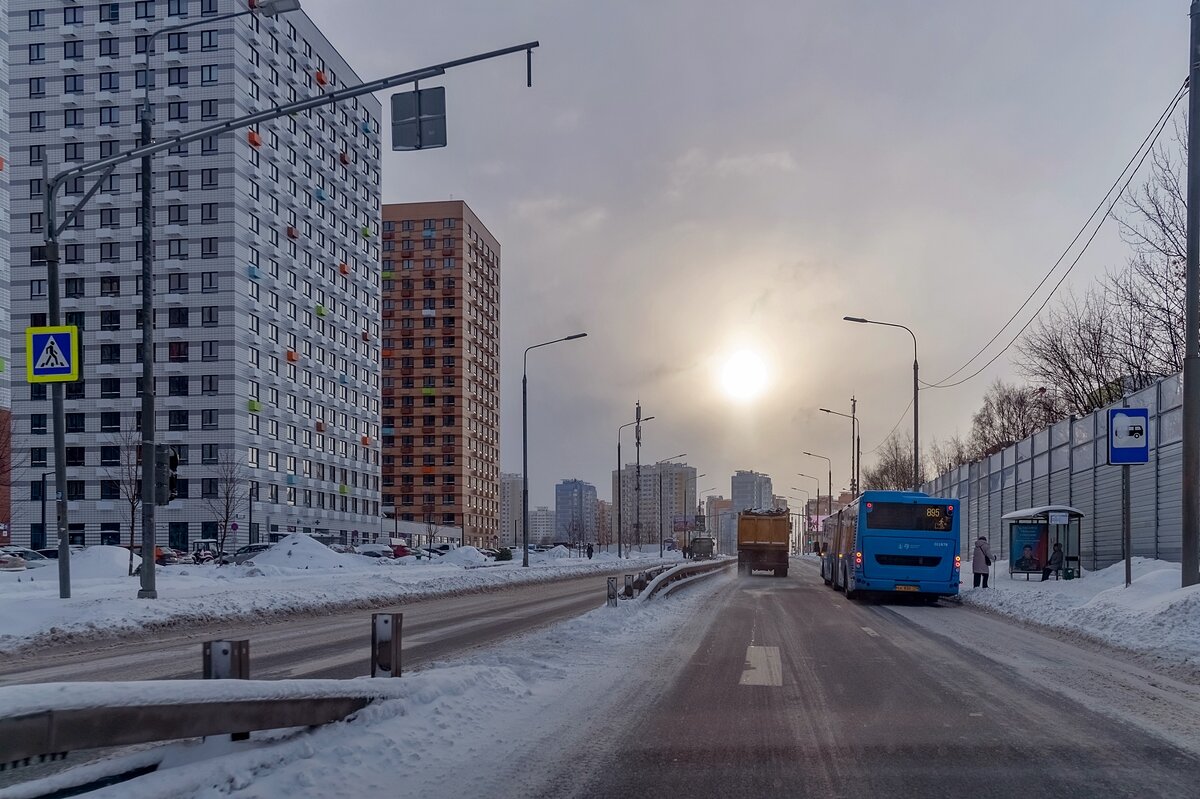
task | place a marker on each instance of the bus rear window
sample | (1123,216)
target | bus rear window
(906,516)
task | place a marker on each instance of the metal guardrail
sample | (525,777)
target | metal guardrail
(51,732)
(671,579)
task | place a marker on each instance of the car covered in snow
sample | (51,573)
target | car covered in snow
(243,554)
(33,559)
(375,550)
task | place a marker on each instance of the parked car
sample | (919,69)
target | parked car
(375,550)
(165,556)
(341,549)
(11,563)
(243,554)
(52,552)
(401,551)
(33,559)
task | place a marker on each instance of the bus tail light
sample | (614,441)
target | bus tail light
(858,560)
(957,562)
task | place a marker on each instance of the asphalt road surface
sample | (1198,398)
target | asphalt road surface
(327,646)
(795,691)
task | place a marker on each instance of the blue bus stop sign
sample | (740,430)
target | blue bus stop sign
(1128,435)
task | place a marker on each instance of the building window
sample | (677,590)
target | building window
(72,50)
(209,74)
(110,12)
(37,19)
(110,489)
(110,387)
(37,53)
(209,384)
(177,386)
(209,453)
(110,48)
(177,420)
(177,42)
(208,419)
(209,316)
(110,115)
(208,40)
(110,422)
(37,121)
(110,81)
(75,491)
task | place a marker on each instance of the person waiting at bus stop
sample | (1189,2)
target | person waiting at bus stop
(981,560)
(1053,563)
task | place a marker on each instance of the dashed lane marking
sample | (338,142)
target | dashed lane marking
(870,632)
(763,667)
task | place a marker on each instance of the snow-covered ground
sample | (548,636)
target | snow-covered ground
(298,575)
(493,724)
(1153,616)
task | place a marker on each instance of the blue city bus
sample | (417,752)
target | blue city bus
(893,542)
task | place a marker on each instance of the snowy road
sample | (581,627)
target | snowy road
(795,691)
(334,645)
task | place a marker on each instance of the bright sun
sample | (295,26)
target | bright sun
(744,375)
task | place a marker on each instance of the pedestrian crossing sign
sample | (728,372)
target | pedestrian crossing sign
(52,354)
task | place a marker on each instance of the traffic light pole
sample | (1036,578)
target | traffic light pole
(105,167)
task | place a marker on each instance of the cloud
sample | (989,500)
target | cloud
(697,166)
(565,218)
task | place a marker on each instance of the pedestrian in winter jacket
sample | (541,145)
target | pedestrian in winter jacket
(981,561)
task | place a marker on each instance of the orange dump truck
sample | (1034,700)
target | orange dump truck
(763,538)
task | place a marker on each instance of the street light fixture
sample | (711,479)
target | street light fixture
(816,494)
(916,466)
(620,469)
(525,441)
(829,504)
(660,497)
(855,444)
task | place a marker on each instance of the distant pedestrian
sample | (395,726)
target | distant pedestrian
(1053,563)
(590,551)
(981,561)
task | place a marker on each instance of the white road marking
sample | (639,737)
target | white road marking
(763,666)
(870,632)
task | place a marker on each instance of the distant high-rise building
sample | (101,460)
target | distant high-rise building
(720,520)
(663,504)
(441,367)
(541,526)
(266,256)
(604,522)
(751,491)
(575,511)
(511,486)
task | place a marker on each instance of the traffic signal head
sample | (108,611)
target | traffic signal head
(166,464)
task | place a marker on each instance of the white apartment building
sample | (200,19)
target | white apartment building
(266,259)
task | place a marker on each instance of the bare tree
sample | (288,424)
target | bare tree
(232,496)
(14,459)
(1010,413)
(127,473)
(893,469)
(951,453)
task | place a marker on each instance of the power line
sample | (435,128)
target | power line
(1142,150)
(903,416)
(1065,274)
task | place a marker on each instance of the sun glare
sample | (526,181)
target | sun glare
(744,375)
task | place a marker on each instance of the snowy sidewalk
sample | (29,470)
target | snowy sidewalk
(1154,616)
(299,575)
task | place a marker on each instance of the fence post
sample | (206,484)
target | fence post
(385,644)
(612,592)
(227,660)
(629,585)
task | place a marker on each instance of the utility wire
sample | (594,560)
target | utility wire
(882,441)
(1066,273)
(1146,145)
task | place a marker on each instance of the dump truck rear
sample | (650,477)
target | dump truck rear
(763,538)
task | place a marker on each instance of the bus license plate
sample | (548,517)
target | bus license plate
(907,588)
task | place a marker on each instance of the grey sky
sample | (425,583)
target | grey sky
(686,178)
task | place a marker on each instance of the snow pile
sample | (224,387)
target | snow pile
(537,683)
(1153,616)
(299,551)
(464,556)
(100,562)
(314,579)
(556,553)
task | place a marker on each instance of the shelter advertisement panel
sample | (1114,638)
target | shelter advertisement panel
(1027,547)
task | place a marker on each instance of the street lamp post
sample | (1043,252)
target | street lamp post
(916,466)
(525,440)
(829,463)
(268,8)
(817,494)
(658,468)
(854,464)
(620,480)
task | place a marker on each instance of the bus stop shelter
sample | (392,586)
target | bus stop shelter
(1032,534)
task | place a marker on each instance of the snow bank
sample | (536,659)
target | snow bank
(101,562)
(299,551)
(537,683)
(313,579)
(464,556)
(1153,616)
